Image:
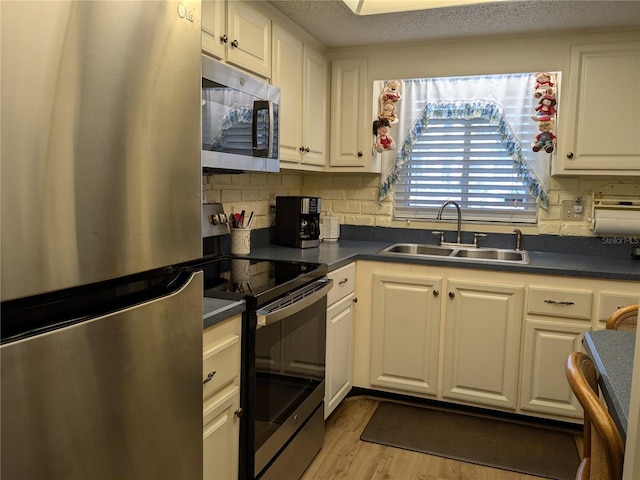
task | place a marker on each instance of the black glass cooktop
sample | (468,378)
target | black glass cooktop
(256,280)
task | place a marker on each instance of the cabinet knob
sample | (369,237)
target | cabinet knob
(570,155)
(306,150)
(224,38)
(360,154)
(452,295)
(301,149)
(234,44)
(355,299)
(436,293)
(238,413)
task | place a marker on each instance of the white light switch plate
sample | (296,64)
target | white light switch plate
(569,213)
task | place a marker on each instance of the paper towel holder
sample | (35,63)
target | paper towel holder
(615,197)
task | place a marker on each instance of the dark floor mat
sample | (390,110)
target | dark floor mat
(485,440)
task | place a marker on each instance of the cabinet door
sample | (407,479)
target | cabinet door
(220,435)
(405,328)
(547,346)
(339,353)
(482,343)
(221,395)
(287,74)
(314,111)
(601,75)
(350,137)
(213,25)
(249,34)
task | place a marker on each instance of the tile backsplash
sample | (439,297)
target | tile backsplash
(353,198)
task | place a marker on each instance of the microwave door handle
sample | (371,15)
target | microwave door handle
(267,316)
(258,106)
(270,143)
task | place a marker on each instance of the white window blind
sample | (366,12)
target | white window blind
(464,161)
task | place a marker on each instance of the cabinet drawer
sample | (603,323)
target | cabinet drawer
(560,303)
(610,302)
(221,357)
(344,282)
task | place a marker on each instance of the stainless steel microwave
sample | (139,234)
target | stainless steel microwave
(240,120)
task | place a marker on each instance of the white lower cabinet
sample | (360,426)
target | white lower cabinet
(612,301)
(339,357)
(547,345)
(557,318)
(405,328)
(220,436)
(482,342)
(221,399)
(486,338)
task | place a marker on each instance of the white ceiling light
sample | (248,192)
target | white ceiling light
(373,7)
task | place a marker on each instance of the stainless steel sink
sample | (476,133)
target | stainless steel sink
(489,254)
(418,249)
(457,253)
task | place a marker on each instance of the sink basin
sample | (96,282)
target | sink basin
(489,254)
(457,253)
(418,249)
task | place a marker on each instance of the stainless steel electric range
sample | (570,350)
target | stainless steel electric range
(283,359)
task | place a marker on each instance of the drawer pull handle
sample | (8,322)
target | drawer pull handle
(553,302)
(209,377)
(342,282)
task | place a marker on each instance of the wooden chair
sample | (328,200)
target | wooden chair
(603,448)
(625,318)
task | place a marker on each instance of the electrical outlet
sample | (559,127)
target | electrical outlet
(572,211)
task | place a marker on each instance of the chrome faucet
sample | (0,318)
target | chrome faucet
(439,216)
(518,233)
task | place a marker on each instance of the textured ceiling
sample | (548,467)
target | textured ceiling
(333,24)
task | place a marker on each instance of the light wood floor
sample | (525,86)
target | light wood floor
(345,456)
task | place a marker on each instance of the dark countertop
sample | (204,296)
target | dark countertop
(343,252)
(612,351)
(216,310)
(337,254)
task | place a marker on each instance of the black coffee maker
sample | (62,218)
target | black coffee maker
(298,221)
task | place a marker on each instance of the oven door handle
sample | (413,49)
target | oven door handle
(293,303)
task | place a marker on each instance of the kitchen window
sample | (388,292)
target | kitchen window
(468,139)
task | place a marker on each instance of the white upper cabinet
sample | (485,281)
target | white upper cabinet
(214,23)
(238,34)
(302,74)
(351,135)
(600,112)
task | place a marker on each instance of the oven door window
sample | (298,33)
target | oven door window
(290,364)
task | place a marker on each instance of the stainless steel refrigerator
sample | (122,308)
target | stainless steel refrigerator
(101,352)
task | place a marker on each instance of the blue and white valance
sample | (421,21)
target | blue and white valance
(506,101)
